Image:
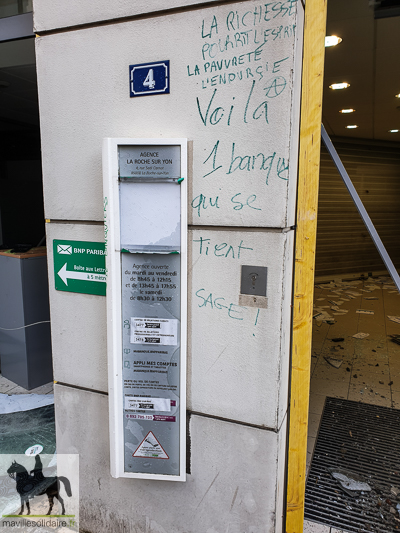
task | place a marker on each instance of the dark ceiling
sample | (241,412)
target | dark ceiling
(369,61)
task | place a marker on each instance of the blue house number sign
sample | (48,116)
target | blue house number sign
(149,78)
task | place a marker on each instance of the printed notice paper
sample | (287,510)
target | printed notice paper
(161,331)
(148,404)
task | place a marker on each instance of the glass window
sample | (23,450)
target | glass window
(10,8)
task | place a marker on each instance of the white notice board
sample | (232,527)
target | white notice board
(145,218)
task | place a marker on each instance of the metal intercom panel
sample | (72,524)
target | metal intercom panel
(145,221)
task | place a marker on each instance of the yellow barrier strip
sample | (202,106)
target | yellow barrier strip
(307,205)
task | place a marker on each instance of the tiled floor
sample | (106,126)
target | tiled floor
(370,371)
(8,387)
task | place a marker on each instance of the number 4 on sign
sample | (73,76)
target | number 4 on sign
(149,81)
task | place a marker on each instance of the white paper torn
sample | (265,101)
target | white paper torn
(319,314)
(364,312)
(335,362)
(350,481)
(394,319)
(23,402)
(361,335)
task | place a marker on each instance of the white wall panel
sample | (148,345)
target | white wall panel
(231,95)
(239,355)
(235,95)
(231,486)
(238,359)
(78,321)
(53,14)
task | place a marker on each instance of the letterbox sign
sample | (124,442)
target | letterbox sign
(145,216)
(149,78)
(79,266)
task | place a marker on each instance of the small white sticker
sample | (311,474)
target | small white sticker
(148,404)
(150,447)
(34,450)
(161,331)
(361,335)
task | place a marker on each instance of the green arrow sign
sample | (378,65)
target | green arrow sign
(79,266)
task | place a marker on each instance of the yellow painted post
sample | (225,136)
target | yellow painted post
(306,226)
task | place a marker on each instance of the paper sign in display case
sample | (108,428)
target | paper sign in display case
(145,217)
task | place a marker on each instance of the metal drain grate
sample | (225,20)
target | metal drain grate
(363,439)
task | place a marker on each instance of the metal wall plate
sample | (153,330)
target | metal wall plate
(254,280)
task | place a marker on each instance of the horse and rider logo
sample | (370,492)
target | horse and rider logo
(35,483)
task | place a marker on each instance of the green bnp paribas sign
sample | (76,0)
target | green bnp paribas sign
(80,266)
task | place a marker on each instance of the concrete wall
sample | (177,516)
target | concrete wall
(241,119)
